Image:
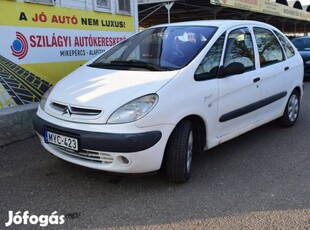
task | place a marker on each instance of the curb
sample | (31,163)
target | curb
(16,123)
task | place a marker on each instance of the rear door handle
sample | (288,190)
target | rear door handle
(286,68)
(256,79)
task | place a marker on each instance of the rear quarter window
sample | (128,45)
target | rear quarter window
(288,48)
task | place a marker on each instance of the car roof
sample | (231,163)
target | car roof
(217,23)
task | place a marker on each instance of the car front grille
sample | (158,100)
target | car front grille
(88,155)
(74,110)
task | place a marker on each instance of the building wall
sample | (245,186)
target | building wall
(40,44)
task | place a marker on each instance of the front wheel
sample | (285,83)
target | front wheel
(291,111)
(179,153)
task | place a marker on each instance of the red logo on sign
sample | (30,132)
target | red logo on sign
(19,46)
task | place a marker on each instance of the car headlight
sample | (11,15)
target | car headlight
(44,98)
(134,110)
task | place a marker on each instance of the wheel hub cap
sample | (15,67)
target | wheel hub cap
(293,108)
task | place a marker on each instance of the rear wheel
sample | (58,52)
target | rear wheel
(179,153)
(291,112)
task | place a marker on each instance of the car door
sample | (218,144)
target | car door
(276,72)
(238,93)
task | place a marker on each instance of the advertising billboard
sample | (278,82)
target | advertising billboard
(265,7)
(40,44)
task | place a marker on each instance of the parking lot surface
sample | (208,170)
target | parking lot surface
(260,180)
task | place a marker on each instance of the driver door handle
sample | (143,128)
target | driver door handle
(256,79)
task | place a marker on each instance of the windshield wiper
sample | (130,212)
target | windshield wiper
(139,64)
(99,64)
(130,63)
(107,66)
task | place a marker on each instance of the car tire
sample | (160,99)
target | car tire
(291,111)
(179,152)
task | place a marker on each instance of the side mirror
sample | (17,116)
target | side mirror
(232,69)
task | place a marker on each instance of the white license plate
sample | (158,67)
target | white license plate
(61,140)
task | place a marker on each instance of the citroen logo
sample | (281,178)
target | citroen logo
(67,110)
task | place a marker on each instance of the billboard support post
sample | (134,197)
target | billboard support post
(168,7)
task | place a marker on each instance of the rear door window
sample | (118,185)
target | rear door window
(269,48)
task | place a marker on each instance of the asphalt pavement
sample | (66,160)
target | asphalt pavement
(260,180)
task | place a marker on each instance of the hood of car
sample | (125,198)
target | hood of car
(97,93)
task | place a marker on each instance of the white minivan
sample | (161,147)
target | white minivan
(168,92)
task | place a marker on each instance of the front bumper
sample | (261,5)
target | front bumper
(108,142)
(120,152)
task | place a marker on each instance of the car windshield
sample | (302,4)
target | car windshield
(157,49)
(302,44)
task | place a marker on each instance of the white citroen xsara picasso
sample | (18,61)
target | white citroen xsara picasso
(157,98)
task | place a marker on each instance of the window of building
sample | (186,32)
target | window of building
(124,6)
(269,48)
(102,5)
(45,2)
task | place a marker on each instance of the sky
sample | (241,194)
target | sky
(303,2)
